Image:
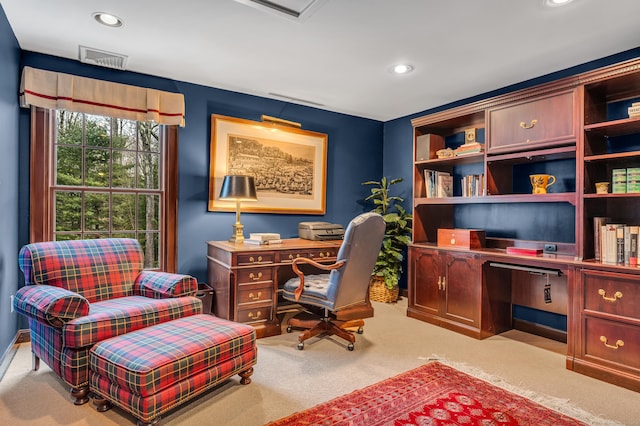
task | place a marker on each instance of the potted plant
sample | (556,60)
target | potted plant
(386,273)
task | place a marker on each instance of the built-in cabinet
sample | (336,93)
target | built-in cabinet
(578,130)
(448,282)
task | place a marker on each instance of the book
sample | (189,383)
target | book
(609,247)
(524,250)
(633,245)
(262,242)
(620,245)
(444,185)
(598,223)
(264,236)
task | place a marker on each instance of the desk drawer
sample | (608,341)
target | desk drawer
(255,275)
(315,254)
(612,293)
(255,315)
(289,256)
(323,254)
(255,258)
(248,294)
(613,342)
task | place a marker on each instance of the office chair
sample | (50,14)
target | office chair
(344,287)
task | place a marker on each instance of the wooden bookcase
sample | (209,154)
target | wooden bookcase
(578,130)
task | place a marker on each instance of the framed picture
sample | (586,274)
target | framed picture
(289,165)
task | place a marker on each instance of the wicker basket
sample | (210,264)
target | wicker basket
(379,292)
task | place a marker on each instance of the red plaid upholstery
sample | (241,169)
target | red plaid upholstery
(99,269)
(119,316)
(52,305)
(154,369)
(158,285)
(83,291)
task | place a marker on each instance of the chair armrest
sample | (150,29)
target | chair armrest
(300,274)
(50,305)
(162,285)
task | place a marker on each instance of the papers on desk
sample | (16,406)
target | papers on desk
(261,238)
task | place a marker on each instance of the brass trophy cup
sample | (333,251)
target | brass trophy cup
(540,183)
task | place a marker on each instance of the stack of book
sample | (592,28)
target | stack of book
(617,244)
(263,238)
(438,184)
(625,181)
(469,148)
(633,179)
(634,110)
(473,185)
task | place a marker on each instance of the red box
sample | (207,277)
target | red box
(461,238)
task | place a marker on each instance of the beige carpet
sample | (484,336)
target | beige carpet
(287,380)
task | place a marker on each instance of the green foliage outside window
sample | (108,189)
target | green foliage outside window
(108,180)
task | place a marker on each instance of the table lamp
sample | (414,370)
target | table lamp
(238,188)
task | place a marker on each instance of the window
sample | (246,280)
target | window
(104,177)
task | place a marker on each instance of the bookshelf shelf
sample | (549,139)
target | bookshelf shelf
(567,197)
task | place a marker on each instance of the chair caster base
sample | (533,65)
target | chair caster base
(350,347)
(300,346)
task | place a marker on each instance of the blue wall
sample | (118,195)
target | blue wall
(9,178)
(354,155)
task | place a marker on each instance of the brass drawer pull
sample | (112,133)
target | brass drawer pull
(619,343)
(253,260)
(530,126)
(440,283)
(291,256)
(616,295)
(255,277)
(255,296)
(255,316)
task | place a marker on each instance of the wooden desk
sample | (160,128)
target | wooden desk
(247,280)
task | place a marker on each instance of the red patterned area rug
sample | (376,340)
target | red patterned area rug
(433,394)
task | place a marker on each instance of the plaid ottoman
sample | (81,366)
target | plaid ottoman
(152,370)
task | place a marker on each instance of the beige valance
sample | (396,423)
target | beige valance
(53,90)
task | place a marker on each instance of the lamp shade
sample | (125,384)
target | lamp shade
(238,187)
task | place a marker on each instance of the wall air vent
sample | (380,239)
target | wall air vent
(89,55)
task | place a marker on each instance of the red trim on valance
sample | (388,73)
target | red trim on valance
(53,90)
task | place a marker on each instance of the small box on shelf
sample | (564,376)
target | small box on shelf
(427,145)
(461,238)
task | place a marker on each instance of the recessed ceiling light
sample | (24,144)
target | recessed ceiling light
(556,3)
(402,69)
(107,19)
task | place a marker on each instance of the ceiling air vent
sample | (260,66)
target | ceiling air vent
(102,58)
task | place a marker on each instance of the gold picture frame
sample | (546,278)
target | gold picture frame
(289,165)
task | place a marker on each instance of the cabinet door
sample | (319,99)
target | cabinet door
(462,285)
(426,278)
(543,122)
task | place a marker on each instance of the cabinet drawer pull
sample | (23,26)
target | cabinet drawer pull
(257,315)
(291,256)
(616,295)
(255,296)
(444,283)
(619,343)
(439,283)
(255,277)
(528,126)
(253,260)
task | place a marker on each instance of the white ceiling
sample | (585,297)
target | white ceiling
(338,56)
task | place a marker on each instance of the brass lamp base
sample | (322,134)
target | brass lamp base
(238,235)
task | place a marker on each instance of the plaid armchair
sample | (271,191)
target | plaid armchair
(81,292)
